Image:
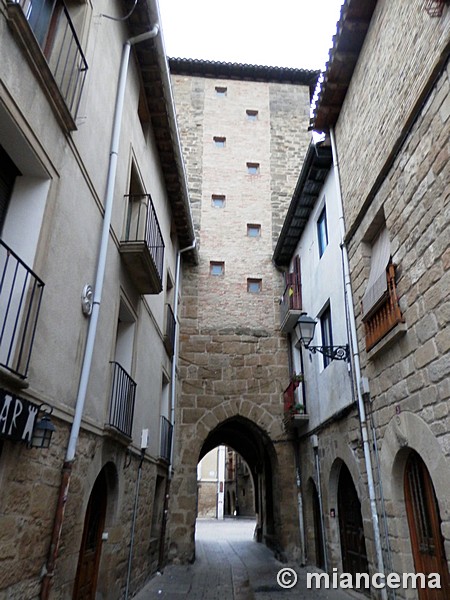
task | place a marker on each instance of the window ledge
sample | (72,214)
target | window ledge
(387,341)
(38,63)
(11,380)
(117,435)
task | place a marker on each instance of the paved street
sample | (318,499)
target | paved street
(231,566)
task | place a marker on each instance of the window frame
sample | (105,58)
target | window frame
(322,231)
(254,227)
(218,198)
(252,281)
(253,168)
(216,263)
(326,332)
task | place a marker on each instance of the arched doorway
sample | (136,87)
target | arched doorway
(256,449)
(425,527)
(353,543)
(91,541)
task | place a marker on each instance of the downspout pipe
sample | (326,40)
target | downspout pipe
(357,367)
(101,264)
(173,385)
(173,389)
(49,567)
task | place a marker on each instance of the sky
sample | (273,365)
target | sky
(285,33)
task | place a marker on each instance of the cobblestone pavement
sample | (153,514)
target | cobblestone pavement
(229,565)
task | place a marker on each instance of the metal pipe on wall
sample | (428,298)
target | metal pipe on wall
(357,368)
(49,567)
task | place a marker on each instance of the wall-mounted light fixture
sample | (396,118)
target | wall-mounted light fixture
(43,429)
(305,331)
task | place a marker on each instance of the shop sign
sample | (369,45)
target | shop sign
(17,417)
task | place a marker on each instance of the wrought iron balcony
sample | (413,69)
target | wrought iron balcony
(294,409)
(142,247)
(169,335)
(46,32)
(20,300)
(123,392)
(166,439)
(386,314)
(290,307)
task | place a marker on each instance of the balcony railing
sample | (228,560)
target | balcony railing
(20,300)
(290,306)
(294,410)
(142,247)
(123,393)
(166,439)
(386,315)
(54,33)
(169,336)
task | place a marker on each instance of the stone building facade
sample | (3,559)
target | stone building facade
(76,187)
(243,130)
(391,129)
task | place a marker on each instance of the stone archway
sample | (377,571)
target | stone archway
(254,446)
(272,468)
(404,433)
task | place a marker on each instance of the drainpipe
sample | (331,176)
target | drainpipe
(357,366)
(175,348)
(173,388)
(49,567)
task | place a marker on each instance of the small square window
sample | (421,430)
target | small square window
(253,168)
(216,268)
(254,286)
(221,91)
(217,201)
(253,230)
(252,115)
(219,142)
(322,231)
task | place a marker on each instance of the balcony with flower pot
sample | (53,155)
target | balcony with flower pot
(295,415)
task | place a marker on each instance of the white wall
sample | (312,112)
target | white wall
(327,389)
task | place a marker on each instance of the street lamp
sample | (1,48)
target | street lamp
(43,429)
(305,331)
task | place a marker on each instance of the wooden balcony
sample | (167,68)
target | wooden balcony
(386,314)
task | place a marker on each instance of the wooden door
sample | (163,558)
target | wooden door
(353,543)
(91,542)
(425,527)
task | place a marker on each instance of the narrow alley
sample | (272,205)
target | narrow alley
(230,565)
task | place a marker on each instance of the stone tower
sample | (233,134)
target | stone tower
(244,133)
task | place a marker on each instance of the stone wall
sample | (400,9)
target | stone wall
(403,47)
(233,363)
(409,379)
(28,497)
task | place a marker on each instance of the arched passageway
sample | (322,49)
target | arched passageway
(256,449)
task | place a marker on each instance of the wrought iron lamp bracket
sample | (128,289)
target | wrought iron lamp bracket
(333,352)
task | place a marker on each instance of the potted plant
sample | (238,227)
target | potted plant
(297,377)
(298,409)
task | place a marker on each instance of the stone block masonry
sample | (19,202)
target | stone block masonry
(233,364)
